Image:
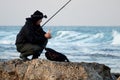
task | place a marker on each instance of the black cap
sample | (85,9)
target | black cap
(38,15)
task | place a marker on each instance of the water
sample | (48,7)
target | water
(80,44)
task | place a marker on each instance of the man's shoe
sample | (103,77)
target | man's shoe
(24,58)
(36,56)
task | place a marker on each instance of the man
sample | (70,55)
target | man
(32,39)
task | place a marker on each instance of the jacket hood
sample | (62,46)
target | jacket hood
(29,21)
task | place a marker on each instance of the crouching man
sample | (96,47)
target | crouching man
(32,39)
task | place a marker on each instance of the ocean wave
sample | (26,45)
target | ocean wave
(88,38)
(116,38)
(8,39)
(78,37)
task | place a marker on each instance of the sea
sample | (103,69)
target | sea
(100,44)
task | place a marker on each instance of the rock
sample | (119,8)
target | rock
(118,78)
(40,69)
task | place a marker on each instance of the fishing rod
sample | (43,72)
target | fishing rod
(56,13)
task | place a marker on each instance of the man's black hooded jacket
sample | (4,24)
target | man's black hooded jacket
(31,33)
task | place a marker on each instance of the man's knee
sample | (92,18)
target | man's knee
(30,47)
(19,47)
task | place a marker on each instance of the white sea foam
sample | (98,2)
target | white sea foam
(116,38)
(73,37)
(8,39)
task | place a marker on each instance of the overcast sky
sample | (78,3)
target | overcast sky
(77,12)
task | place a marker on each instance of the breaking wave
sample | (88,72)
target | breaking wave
(116,38)
(80,38)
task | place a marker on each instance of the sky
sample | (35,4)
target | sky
(76,13)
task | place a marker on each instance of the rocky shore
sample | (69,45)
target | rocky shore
(40,69)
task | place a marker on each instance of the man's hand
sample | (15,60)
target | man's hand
(48,35)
